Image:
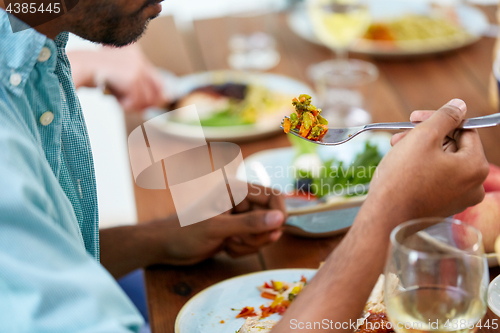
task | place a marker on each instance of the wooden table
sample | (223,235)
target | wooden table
(403,86)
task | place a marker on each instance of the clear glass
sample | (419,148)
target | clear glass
(251,43)
(436,277)
(345,94)
(339,23)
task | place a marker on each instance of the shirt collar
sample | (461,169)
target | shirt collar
(62,39)
(19,51)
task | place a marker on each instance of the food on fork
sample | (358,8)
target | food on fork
(306,119)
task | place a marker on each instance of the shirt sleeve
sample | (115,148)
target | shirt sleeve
(48,282)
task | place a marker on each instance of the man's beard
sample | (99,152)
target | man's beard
(105,23)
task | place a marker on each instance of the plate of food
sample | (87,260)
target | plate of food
(406,28)
(256,302)
(231,105)
(324,186)
(225,306)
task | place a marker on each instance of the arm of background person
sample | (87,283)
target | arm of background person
(417,178)
(125,72)
(253,223)
(48,282)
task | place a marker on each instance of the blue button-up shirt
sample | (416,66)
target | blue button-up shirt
(50,277)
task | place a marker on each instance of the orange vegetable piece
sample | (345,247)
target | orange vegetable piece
(247,311)
(286,125)
(303,131)
(323,132)
(266,311)
(267,295)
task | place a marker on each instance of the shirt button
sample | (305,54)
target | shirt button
(15,79)
(46,118)
(44,54)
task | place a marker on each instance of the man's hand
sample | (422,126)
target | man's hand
(419,177)
(124,72)
(434,169)
(253,223)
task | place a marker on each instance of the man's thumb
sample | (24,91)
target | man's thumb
(447,118)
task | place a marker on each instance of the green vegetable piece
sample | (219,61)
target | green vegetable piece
(306,120)
(315,131)
(322,120)
(306,96)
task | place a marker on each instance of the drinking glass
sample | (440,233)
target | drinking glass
(252,45)
(436,277)
(344,96)
(339,23)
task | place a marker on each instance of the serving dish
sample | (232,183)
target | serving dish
(181,86)
(472,20)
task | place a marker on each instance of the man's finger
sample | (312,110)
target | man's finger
(236,250)
(467,140)
(446,119)
(398,137)
(264,197)
(421,115)
(259,194)
(243,206)
(417,117)
(253,222)
(240,246)
(262,239)
(277,202)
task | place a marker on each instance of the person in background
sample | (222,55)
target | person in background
(57,268)
(124,72)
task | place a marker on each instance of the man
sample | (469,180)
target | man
(50,279)
(125,72)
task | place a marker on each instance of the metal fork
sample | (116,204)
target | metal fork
(337,136)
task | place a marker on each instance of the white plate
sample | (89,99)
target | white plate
(472,20)
(494,296)
(185,84)
(203,313)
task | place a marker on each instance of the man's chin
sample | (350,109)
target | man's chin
(123,38)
